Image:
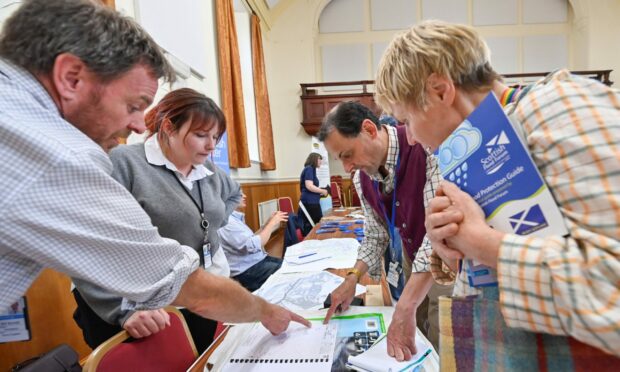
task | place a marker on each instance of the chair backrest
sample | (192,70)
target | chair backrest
(355,199)
(292,233)
(171,349)
(285,204)
(336,195)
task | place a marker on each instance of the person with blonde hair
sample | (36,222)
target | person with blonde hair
(556,301)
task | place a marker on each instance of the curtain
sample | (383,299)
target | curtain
(110,3)
(263,113)
(230,84)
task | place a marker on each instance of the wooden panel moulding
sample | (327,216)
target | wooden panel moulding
(258,192)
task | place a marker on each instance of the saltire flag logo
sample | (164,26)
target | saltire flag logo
(528,221)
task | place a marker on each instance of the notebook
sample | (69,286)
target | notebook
(376,358)
(297,349)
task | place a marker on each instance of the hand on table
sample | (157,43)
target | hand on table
(401,335)
(341,297)
(276,318)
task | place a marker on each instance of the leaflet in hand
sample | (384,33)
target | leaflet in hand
(485,158)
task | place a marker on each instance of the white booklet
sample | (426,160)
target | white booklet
(376,358)
(297,349)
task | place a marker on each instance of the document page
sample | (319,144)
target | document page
(298,349)
(302,291)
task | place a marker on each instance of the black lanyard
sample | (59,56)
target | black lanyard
(204,224)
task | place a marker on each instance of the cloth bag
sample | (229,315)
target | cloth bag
(474,337)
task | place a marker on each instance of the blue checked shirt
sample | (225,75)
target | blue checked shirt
(59,208)
(242,247)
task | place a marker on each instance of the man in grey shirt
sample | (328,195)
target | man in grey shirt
(75,76)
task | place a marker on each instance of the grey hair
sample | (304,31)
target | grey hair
(108,43)
(347,118)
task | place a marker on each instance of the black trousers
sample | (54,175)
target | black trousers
(97,330)
(315,212)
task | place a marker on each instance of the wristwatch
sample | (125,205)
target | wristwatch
(355,271)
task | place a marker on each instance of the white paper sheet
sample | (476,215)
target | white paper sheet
(302,291)
(343,253)
(237,336)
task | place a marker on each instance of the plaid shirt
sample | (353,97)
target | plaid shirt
(60,208)
(376,235)
(566,286)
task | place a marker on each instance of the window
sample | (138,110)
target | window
(244,38)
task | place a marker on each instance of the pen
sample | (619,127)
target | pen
(307,255)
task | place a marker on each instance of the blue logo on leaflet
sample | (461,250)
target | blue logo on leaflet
(497,154)
(455,150)
(528,221)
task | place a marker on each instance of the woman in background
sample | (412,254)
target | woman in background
(310,191)
(188,199)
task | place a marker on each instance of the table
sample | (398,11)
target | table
(202,360)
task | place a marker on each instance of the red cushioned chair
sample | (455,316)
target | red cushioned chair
(171,349)
(285,204)
(355,199)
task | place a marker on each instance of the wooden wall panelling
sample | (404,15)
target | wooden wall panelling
(50,313)
(315,106)
(260,192)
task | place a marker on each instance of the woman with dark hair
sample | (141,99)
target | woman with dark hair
(310,191)
(186,196)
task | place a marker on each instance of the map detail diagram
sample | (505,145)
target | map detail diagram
(302,292)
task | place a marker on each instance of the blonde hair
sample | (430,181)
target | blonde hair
(449,50)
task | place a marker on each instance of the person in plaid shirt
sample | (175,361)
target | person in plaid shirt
(75,76)
(560,292)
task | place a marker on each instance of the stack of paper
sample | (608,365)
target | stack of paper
(316,255)
(376,358)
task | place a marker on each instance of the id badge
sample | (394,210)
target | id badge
(480,275)
(394,272)
(206,254)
